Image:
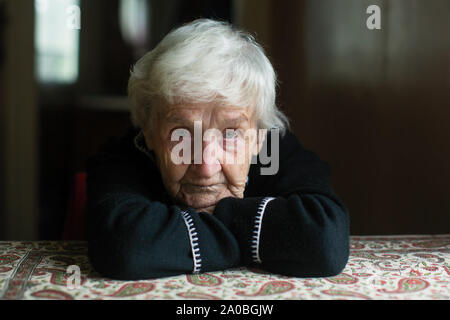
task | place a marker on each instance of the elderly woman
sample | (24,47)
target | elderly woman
(155,212)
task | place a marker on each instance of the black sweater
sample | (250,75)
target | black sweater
(290,223)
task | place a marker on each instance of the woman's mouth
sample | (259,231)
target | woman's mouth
(201,188)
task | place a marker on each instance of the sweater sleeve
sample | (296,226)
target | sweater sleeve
(297,226)
(132,234)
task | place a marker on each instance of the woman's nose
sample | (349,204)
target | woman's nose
(211,155)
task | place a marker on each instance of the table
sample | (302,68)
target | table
(380,267)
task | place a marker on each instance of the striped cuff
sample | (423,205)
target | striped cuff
(194,241)
(257,229)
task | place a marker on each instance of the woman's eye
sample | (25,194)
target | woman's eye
(230,134)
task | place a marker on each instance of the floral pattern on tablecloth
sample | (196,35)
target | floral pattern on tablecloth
(381,267)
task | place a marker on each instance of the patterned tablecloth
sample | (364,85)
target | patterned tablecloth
(382,267)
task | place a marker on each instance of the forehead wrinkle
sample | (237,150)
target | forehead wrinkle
(224,115)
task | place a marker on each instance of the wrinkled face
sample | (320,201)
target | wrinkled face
(203,151)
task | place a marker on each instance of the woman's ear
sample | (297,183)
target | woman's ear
(148,135)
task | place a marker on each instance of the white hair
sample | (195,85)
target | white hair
(206,61)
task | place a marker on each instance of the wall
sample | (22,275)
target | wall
(2,115)
(19,125)
(374,104)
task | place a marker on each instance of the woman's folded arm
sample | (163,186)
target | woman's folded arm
(302,235)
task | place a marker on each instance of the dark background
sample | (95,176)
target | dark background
(375,104)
